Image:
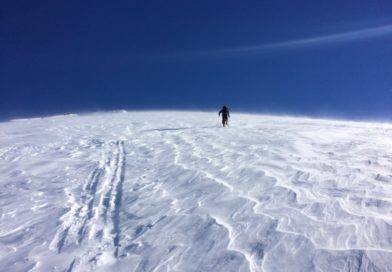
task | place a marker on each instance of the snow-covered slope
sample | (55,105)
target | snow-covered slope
(173,191)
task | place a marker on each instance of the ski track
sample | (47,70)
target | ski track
(96,216)
(142,194)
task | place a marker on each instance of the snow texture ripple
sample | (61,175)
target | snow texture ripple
(173,191)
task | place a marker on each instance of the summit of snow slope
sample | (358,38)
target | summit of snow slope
(173,191)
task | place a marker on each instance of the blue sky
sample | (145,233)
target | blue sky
(317,58)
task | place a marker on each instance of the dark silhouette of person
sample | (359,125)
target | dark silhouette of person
(225,115)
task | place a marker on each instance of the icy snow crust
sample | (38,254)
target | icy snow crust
(173,191)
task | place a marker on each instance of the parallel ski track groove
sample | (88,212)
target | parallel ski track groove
(79,223)
(117,198)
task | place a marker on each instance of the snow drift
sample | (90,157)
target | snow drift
(173,191)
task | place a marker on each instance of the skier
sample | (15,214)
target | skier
(225,115)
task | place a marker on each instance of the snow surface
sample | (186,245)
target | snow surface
(173,191)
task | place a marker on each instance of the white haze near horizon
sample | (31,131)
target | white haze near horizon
(173,191)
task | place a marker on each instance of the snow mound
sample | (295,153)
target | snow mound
(173,191)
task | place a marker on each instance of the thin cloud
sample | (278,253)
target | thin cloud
(344,37)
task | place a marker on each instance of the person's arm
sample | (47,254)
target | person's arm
(220,113)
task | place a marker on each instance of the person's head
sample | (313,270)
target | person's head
(224,107)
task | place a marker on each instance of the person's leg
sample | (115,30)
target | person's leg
(224,121)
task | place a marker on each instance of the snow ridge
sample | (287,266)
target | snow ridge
(170,191)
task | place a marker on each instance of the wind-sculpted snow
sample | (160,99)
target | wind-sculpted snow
(173,191)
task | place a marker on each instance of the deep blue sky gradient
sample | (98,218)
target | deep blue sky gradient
(67,56)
